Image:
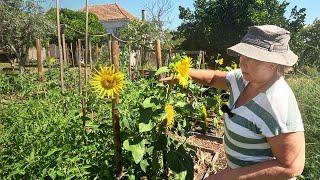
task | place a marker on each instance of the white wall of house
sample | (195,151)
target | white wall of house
(114,26)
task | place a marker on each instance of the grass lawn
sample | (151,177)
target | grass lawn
(306,89)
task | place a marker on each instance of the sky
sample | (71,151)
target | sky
(135,7)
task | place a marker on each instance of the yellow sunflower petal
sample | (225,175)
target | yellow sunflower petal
(169,115)
(106,82)
(182,69)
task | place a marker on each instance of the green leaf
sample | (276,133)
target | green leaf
(137,150)
(59,173)
(52,151)
(146,127)
(180,104)
(181,175)
(179,161)
(149,103)
(161,70)
(144,164)
(126,145)
(150,150)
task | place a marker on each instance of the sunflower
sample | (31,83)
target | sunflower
(204,114)
(169,115)
(182,68)
(52,60)
(234,66)
(107,82)
(219,61)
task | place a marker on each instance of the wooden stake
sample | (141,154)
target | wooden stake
(83,102)
(72,59)
(79,67)
(170,56)
(115,114)
(143,58)
(109,48)
(90,55)
(129,67)
(158,55)
(64,50)
(48,50)
(97,51)
(39,60)
(60,48)
(86,50)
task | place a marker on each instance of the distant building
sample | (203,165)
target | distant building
(112,16)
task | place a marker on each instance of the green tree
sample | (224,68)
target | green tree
(146,32)
(21,23)
(75,22)
(215,25)
(310,45)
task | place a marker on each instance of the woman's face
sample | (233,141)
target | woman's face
(257,71)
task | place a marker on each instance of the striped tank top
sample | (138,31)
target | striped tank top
(269,114)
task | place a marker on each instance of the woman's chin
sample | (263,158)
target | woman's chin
(246,76)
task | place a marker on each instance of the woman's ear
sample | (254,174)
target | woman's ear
(273,66)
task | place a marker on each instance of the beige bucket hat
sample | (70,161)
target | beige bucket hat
(266,43)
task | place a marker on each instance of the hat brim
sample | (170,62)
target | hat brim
(287,58)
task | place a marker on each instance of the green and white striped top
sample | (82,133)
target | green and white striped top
(269,114)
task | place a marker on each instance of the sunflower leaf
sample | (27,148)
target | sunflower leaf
(137,150)
(144,164)
(146,127)
(161,70)
(180,104)
(147,103)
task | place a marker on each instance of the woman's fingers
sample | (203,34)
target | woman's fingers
(169,80)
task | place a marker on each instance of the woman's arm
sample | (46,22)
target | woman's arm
(212,78)
(289,150)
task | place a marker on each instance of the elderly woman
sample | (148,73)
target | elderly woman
(263,132)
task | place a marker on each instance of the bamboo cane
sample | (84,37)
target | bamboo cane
(60,48)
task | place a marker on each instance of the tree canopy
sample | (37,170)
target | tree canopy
(75,22)
(146,32)
(310,45)
(21,23)
(215,25)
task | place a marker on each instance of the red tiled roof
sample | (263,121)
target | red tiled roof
(109,12)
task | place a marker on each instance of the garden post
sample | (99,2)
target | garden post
(97,52)
(48,53)
(39,60)
(109,49)
(72,59)
(64,49)
(158,55)
(129,66)
(115,113)
(170,56)
(90,55)
(79,67)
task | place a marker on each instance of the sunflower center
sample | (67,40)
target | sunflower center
(183,70)
(108,82)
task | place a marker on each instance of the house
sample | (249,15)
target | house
(112,16)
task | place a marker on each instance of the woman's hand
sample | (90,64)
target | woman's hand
(169,80)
